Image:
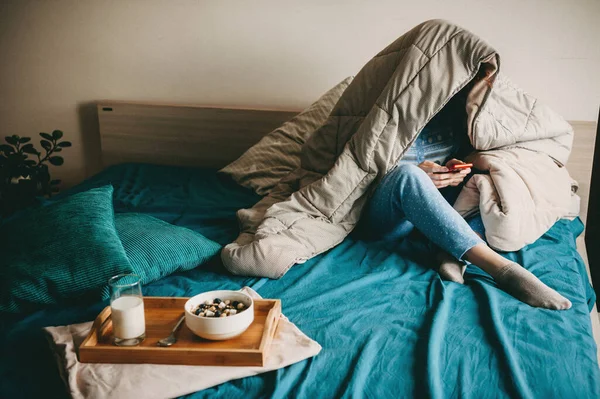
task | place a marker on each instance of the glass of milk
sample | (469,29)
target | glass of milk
(127,309)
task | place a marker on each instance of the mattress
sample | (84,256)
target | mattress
(388,325)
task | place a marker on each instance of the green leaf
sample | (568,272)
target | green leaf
(56,161)
(55,182)
(23,140)
(56,149)
(5,148)
(12,140)
(57,134)
(64,144)
(29,149)
(46,144)
(14,158)
(30,162)
(46,136)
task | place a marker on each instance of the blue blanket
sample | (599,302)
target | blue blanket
(389,326)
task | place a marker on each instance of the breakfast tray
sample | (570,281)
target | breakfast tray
(162,313)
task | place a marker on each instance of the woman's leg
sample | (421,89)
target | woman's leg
(453,269)
(407,196)
(407,193)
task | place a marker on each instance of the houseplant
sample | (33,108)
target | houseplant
(24,173)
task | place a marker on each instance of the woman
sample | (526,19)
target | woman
(419,192)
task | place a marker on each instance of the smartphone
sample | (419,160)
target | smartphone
(460,166)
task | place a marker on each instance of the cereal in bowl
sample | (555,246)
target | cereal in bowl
(219,308)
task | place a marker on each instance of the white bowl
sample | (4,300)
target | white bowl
(219,328)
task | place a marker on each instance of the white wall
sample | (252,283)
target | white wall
(59,56)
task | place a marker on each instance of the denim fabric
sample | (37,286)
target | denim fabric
(406,198)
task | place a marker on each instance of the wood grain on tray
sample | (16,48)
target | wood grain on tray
(249,349)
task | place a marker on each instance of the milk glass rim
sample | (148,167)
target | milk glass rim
(114,280)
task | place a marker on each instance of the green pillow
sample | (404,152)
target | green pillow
(65,250)
(157,249)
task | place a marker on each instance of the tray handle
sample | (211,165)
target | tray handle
(271,324)
(98,328)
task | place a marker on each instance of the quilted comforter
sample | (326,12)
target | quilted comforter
(521,144)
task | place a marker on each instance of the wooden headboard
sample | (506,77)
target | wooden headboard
(190,135)
(181,134)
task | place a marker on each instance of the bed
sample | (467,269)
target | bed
(389,327)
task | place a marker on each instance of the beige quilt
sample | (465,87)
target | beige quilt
(521,143)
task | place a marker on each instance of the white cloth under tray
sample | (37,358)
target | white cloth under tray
(123,381)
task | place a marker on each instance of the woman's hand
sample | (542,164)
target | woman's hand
(441,175)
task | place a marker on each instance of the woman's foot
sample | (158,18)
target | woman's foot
(523,285)
(516,280)
(451,269)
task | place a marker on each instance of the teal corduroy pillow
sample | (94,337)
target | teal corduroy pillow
(59,252)
(156,248)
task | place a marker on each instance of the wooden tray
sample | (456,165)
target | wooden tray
(249,349)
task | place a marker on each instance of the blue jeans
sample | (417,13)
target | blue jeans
(406,198)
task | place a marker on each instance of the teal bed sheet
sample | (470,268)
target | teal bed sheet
(389,326)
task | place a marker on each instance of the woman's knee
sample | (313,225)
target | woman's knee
(410,169)
(403,179)
(409,172)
